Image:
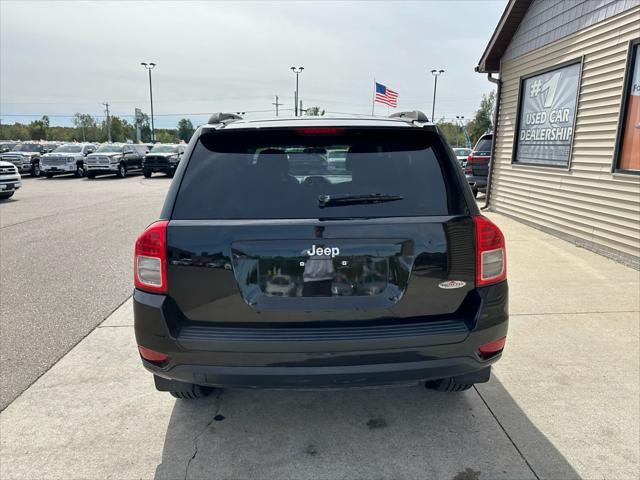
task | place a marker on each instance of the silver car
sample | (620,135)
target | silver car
(461,155)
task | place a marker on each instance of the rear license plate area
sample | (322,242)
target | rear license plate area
(322,276)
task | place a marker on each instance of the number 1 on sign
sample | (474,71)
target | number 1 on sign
(550,87)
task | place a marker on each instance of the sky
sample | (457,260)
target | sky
(58,58)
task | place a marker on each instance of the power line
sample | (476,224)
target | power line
(128,115)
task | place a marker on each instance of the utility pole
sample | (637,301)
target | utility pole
(106,104)
(436,74)
(277,105)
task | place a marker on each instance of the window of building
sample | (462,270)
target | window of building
(627,155)
(546,116)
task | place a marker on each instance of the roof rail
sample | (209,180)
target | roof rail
(412,116)
(221,117)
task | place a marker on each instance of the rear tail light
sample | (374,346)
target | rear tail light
(150,267)
(152,356)
(491,257)
(319,131)
(468,168)
(493,348)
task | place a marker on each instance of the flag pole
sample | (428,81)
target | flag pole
(373,100)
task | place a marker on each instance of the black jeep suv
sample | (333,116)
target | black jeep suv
(272,267)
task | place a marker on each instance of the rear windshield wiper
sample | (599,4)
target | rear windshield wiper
(339,200)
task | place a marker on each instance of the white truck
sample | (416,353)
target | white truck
(10,180)
(26,157)
(67,158)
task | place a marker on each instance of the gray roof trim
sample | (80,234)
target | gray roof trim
(509,22)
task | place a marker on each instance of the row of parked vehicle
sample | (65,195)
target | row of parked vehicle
(84,159)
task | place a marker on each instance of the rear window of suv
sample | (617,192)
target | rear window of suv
(316,173)
(484,144)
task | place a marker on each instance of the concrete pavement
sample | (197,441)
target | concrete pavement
(62,267)
(563,402)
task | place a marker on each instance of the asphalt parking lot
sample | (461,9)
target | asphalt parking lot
(562,403)
(65,264)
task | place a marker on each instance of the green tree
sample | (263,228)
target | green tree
(38,128)
(452,132)
(64,134)
(117,129)
(166,136)
(17,131)
(185,129)
(483,119)
(87,128)
(121,130)
(314,112)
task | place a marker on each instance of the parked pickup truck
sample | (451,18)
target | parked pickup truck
(26,157)
(163,158)
(115,158)
(68,158)
(10,180)
(264,270)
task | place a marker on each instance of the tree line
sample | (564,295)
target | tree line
(481,122)
(86,128)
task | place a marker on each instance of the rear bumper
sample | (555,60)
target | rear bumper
(344,376)
(478,182)
(281,358)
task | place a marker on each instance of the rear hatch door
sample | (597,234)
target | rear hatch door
(255,240)
(481,155)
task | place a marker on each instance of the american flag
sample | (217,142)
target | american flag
(386,95)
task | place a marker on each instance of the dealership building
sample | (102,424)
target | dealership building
(566,150)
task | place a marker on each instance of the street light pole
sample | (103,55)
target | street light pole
(149,67)
(460,119)
(436,74)
(297,71)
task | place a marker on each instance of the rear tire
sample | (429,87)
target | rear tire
(147,174)
(447,385)
(475,192)
(35,170)
(193,392)
(48,175)
(79,171)
(4,196)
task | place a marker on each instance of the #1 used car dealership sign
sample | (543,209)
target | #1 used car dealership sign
(546,116)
